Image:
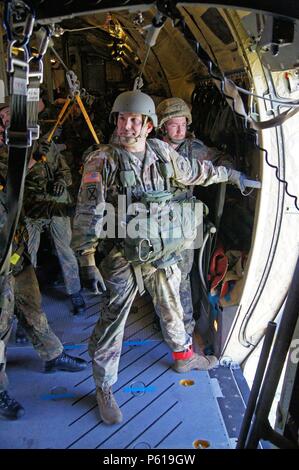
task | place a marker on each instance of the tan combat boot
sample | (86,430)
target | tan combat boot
(109,410)
(193,361)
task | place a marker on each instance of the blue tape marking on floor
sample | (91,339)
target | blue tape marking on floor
(73,346)
(58,396)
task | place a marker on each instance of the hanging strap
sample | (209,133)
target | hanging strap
(23,123)
(18,137)
(128,181)
(229,90)
(74,88)
(276,121)
(166,167)
(88,121)
(32,104)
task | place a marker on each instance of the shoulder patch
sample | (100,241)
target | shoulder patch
(92,192)
(92,177)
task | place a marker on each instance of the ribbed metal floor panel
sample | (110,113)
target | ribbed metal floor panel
(159,412)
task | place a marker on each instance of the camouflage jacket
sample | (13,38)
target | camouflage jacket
(18,261)
(40,175)
(195,149)
(37,203)
(19,244)
(43,173)
(101,183)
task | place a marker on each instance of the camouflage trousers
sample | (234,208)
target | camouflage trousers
(185,266)
(7,307)
(61,233)
(106,340)
(23,291)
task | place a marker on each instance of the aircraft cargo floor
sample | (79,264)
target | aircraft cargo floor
(159,412)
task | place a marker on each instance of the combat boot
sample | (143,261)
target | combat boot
(109,409)
(66,363)
(188,360)
(9,407)
(78,303)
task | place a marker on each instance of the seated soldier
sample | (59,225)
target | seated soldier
(21,287)
(47,180)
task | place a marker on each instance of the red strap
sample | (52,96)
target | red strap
(183,355)
(218,267)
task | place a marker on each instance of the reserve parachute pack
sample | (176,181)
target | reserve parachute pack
(163,223)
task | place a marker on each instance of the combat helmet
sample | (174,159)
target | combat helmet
(173,107)
(135,102)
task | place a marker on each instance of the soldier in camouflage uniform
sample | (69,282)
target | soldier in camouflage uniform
(20,287)
(101,182)
(8,405)
(47,180)
(174,117)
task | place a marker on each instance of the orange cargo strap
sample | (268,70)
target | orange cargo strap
(88,121)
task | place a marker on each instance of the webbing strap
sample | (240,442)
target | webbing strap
(139,278)
(19,140)
(229,89)
(88,121)
(63,116)
(163,162)
(125,166)
(74,86)
(276,121)
(18,135)
(32,104)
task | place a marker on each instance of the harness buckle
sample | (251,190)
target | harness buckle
(140,249)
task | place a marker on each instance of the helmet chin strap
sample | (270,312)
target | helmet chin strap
(128,140)
(175,141)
